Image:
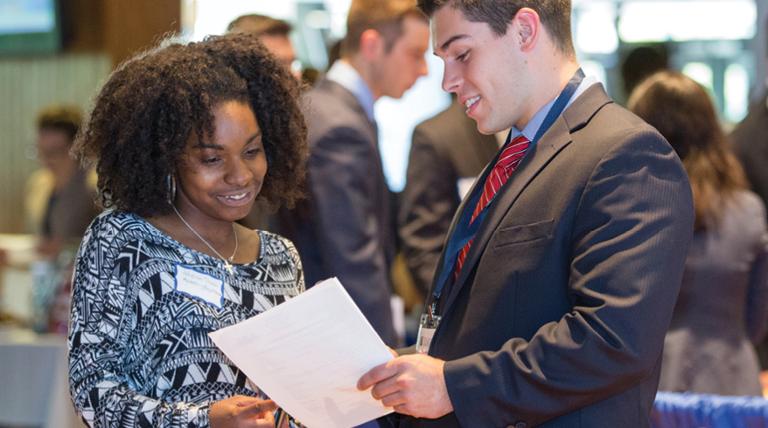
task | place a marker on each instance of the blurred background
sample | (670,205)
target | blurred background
(59,51)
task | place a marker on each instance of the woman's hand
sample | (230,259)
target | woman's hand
(241,411)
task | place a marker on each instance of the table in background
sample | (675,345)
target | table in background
(34,381)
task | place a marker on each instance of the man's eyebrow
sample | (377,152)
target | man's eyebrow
(448,42)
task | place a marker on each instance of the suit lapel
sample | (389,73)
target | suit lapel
(551,143)
(454,222)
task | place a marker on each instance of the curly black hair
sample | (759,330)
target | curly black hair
(145,113)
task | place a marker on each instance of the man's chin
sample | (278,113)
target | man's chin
(486,129)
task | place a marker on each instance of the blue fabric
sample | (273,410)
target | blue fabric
(682,410)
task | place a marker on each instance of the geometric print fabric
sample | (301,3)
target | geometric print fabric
(140,355)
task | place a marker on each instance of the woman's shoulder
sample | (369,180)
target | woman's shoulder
(749,204)
(112,227)
(117,220)
(273,243)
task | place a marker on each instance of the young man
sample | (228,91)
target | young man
(345,228)
(562,266)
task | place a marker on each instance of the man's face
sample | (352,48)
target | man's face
(487,72)
(398,69)
(282,48)
(53,151)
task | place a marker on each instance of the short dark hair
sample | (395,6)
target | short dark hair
(386,17)
(554,14)
(145,114)
(62,118)
(641,62)
(260,25)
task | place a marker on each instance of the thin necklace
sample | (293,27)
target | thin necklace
(227,261)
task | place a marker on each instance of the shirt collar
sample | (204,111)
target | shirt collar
(536,121)
(345,75)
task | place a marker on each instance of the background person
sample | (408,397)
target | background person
(60,198)
(184,138)
(721,309)
(750,143)
(273,33)
(447,154)
(345,227)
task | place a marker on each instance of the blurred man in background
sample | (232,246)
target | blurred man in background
(447,154)
(61,196)
(345,227)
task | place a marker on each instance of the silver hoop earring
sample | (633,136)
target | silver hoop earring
(170,187)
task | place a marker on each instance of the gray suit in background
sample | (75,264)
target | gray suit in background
(721,309)
(344,228)
(445,148)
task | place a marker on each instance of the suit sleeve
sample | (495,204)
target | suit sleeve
(427,207)
(630,235)
(340,166)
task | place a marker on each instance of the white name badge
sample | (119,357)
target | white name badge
(200,285)
(427,327)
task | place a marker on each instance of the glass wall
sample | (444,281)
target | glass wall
(689,35)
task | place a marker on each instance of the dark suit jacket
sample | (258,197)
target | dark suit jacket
(445,148)
(750,139)
(558,316)
(344,228)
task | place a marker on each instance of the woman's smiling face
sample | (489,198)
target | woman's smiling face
(220,177)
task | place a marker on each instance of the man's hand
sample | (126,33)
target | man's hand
(412,384)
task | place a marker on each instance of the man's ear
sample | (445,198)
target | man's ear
(527,27)
(371,44)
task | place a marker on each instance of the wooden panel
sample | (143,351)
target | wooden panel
(82,24)
(131,26)
(26,86)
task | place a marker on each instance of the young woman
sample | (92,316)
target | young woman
(184,139)
(720,311)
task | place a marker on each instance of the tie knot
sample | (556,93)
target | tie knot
(514,152)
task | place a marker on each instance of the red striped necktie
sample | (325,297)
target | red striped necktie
(506,164)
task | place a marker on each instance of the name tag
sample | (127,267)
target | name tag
(200,285)
(427,327)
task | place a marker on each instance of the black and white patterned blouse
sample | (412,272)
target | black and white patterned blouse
(139,351)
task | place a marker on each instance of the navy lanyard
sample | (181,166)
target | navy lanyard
(465,229)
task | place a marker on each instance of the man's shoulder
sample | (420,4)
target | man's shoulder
(329,107)
(612,126)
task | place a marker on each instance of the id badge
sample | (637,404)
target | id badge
(199,285)
(427,327)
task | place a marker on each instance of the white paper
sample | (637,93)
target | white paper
(308,353)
